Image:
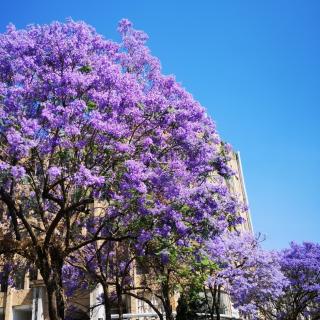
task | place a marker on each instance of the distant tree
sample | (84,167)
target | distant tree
(300,263)
(281,285)
(192,302)
(189,307)
(160,264)
(105,264)
(250,275)
(182,309)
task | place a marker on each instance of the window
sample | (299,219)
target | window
(144,307)
(33,274)
(4,283)
(141,267)
(19,279)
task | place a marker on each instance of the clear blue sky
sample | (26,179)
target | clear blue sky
(255,66)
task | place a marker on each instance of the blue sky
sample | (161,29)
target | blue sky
(255,66)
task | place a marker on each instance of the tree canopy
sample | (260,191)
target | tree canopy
(97,144)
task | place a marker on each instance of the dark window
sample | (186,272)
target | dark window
(141,267)
(33,274)
(4,282)
(19,279)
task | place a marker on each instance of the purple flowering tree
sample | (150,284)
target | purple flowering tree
(97,144)
(281,285)
(106,265)
(250,275)
(160,272)
(300,263)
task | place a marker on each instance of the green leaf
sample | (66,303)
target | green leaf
(85,69)
(91,105)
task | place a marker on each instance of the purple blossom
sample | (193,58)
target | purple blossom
(250,274)
(147,142)
(123,147)
(124,26)
(18,172)
(3,166)
(165,257)
(85,177)
(54,172)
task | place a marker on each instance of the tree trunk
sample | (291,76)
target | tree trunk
(107,304)
(218,303)
(52,304)
(51,271)
(60,302)
(214,302)
(56,280)
(5,288)
(56,302)
(119,301)
(167,303)
(210,305)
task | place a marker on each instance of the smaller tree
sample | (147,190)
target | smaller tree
(190,304)
(194,302)
(105,264)
(278,286)
(159,281)
(300,263)
(250,275)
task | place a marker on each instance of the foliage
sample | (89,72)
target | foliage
(189,307)
(97,145)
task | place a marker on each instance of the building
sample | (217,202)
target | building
(28,300)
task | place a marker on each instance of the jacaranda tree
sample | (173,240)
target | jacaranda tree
(300,264)
(283,285)
(250,275)
(97,145)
